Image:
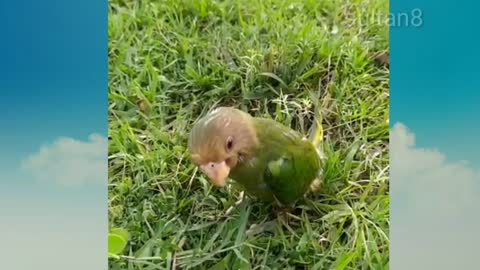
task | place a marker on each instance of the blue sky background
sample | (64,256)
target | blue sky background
(434,102)
(435,77)
(54,76)
(53,83)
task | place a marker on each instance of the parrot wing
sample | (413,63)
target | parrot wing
(292,166)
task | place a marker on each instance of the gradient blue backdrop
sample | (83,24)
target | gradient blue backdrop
(53,83)
(53,76)
(434,86)
(435,77)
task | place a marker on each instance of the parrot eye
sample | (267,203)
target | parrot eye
(229,143)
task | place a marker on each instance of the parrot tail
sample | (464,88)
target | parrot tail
(316,138)
(316,134)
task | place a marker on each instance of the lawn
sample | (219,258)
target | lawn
(172,61)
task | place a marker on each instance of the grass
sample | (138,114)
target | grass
(171,61)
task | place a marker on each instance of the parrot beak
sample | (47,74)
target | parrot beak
(217,172)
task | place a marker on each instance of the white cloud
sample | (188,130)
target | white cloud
(70,162)
(53,241)
(435,218)
(42,229)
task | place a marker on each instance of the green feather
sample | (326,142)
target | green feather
(283,165)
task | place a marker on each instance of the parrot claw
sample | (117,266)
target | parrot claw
(315,185)
(240,200)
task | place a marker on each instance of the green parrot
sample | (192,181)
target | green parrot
(269,160)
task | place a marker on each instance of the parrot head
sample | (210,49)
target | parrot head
(220,140)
